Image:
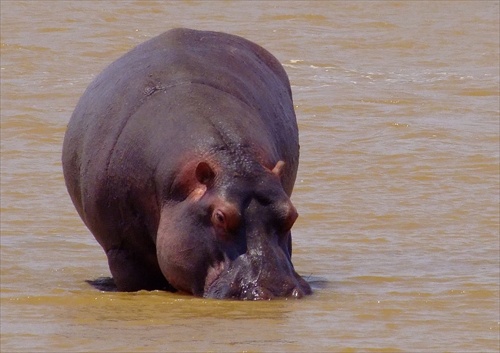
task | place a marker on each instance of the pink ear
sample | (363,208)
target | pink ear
(278,168)
(193,180)
(204,174)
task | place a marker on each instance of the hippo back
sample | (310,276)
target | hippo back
(110,171)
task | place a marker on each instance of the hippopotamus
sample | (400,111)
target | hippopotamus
(180,158)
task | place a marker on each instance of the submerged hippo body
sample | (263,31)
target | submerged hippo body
(180,158)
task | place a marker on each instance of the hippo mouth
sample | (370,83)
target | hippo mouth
(213,274)
(233,281)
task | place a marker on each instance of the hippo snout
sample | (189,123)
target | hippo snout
(247,280)
(255,292)
(262,293)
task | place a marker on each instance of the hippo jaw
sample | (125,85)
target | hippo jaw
(253,291)
(249,279)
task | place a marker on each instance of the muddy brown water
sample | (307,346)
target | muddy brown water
(398,185)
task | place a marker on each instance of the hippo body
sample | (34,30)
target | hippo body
(180,157)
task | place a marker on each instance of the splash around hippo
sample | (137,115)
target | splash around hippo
(180,158)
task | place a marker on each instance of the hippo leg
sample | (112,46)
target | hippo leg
(131,272)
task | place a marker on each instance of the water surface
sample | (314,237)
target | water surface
(398,185)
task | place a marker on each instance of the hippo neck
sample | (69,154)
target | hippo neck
(241,154)
(240,159)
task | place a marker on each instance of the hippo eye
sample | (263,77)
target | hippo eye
(225,218)
(291,217)
(218,218)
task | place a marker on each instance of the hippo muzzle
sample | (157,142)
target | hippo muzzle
(245,281)
(261,274)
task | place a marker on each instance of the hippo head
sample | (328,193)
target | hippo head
(227,234)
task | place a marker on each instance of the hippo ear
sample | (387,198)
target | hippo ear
(205,174)
(278,168)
